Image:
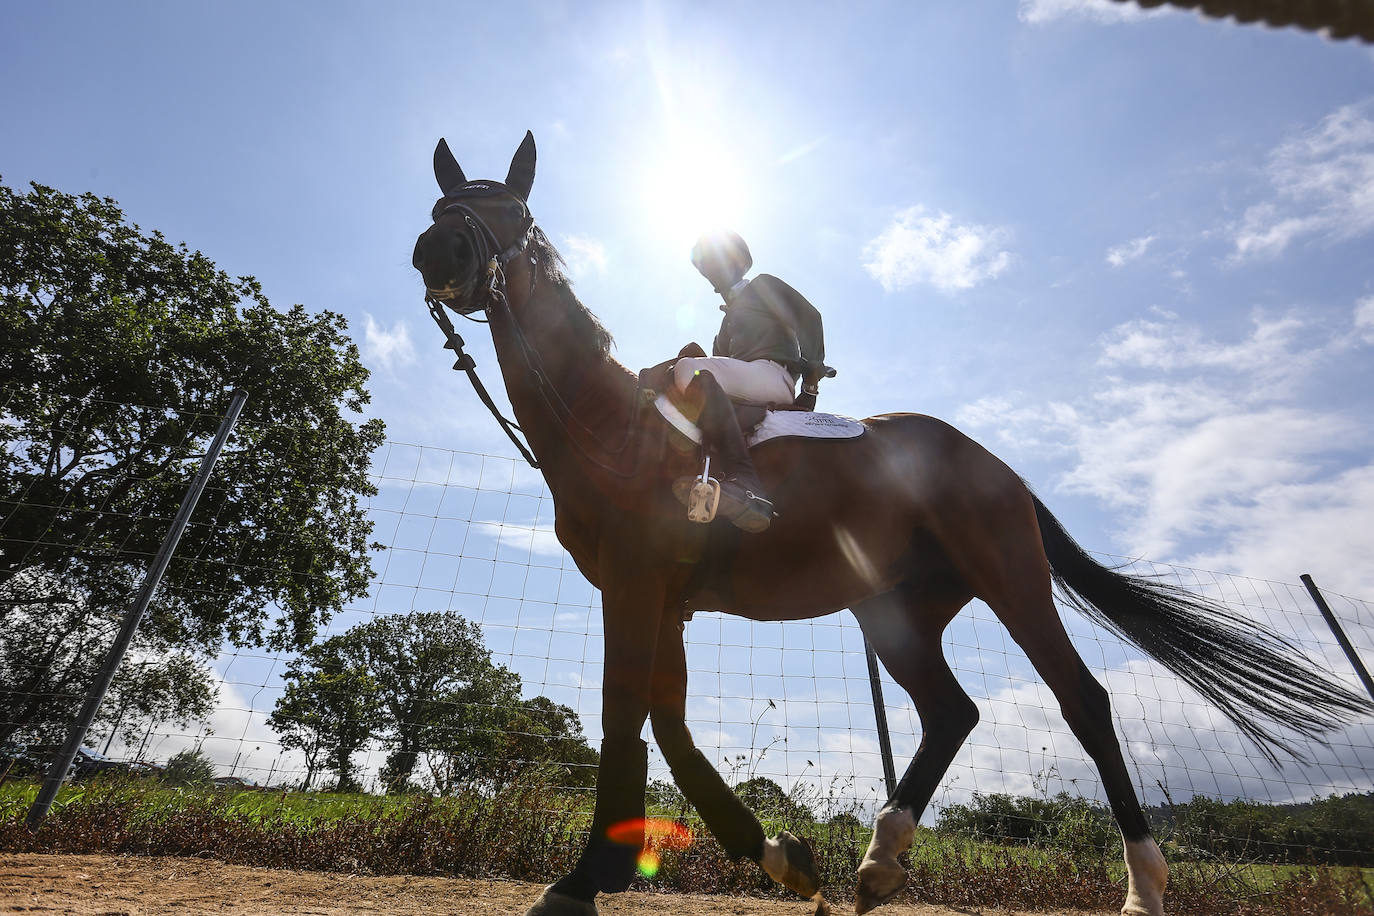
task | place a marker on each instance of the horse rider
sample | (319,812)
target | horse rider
(770,336)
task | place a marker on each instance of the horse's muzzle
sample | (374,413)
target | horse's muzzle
(447,263)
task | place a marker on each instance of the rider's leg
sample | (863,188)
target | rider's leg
(759,381)
(742,500)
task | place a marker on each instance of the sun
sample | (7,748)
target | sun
(689,187)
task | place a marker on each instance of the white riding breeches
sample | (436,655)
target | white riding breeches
(759,381)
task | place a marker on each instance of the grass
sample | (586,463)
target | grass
(535,832)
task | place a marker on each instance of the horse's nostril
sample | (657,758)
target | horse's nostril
(442,257)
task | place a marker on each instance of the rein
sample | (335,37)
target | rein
(497,300)
(469,365)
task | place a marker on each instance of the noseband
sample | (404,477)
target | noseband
(483,242)
(480,234)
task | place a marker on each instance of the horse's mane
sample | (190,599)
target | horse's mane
(585,328)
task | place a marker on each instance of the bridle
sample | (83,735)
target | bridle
(484,242)
(483,239)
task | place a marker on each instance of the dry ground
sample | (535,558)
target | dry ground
(105,885)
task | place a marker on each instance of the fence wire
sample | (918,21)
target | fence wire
(785,707)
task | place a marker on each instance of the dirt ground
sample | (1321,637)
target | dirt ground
(138,886)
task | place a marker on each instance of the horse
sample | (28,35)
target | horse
(903,525)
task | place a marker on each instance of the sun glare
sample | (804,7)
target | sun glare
(690,188)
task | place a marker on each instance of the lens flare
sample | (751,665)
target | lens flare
(651,835)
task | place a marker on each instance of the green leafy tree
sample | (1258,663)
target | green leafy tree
(188,768)
(770,800)
(327,712)
(666,798)
(425,685)
(1062,820)
(118,352)
(438,690)
(538,735)
(48,660)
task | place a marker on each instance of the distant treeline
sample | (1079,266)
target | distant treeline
(1338,830)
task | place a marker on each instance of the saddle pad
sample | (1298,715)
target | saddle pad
(807,424)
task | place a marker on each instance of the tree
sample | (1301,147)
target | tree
(510,742)
(438,690)
(768,798)
(188,767)
(327,712)
(119,352)
(425,685)
(48,660)
(542,734)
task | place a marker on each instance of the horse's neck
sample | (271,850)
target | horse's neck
(577,418)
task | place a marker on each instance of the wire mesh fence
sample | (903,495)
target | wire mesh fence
(471,662)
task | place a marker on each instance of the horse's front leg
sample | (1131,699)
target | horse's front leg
(632,600)
(785,858)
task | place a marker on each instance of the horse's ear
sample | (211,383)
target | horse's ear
(521,176)
(446,169)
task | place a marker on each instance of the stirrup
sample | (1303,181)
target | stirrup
(705,497)
(702,496)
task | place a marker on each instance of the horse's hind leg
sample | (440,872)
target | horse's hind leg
(1032,620)
(785,858)
(904,627)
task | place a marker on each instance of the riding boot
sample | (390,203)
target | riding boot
(742,499)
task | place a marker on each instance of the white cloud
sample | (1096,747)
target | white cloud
(1128,251)
(916,248)
(1169,735)
(1270,352)
(1205,441)
(1040,428)
(804,149)
(1322,187)
(390,348)
(584,255)
(1038,12)
(1364,319)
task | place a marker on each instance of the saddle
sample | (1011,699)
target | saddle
(736,488)
(758,422)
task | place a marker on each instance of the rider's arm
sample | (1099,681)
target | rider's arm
(805,322)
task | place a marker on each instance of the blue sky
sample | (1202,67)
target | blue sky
(1130,253)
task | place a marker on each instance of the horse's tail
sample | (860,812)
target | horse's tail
(1246,671)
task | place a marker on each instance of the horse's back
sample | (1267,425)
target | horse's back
(912,498)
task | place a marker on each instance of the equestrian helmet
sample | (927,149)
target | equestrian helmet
(722,257)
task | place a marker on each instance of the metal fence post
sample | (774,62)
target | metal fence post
(57,771)
(1341,638)
(880,714)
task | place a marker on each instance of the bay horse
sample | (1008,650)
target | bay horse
(903,525)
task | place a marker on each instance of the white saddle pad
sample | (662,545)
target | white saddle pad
(807,424)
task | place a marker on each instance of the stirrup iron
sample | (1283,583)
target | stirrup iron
(704,497)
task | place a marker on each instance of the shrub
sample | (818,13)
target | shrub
(188,768)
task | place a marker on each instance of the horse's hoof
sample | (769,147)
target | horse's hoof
(789,861)
(878,883)
(552,903)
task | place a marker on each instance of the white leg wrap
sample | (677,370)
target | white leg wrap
(880,875)
(1147,874)
(789,861)
(893,832)
(774,860)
